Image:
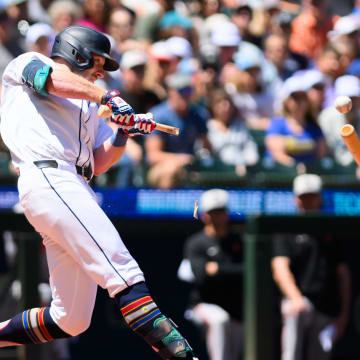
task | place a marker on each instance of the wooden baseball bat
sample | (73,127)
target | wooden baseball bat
(351,140)
(105,112)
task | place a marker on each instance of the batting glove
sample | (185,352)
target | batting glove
(116,104)
(136,124)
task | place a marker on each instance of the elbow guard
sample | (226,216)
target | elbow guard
(34,76)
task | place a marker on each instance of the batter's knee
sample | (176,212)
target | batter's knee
(75,328)
(72,324)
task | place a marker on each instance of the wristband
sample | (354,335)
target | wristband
(108,95)
(118,139)
(104,99)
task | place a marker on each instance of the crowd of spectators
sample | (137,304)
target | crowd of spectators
(250,84)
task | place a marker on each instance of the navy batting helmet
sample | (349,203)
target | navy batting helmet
(76,43)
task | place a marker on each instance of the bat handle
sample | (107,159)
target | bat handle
(104,112)
(167,129)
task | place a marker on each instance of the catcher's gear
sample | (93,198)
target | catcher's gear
(76,44)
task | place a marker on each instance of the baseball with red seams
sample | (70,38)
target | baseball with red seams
(343,104)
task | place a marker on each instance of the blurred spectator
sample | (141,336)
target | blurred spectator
(96,14)
(354,68)
(346,51)
(253,99)
(213,264)
(168,155)
(295,137)
(38,11)
(161,64)
(133,66)
(207,77)
(314,281)
(241,16)
(121,28)
(356,7)
(227,38)
(174,24)
(40,38)
(264,19)
(206,19)
(16,21)
(147,24)
(17,10)
(64,13)
(229,137)
(182,51)
(277,52)
(346,34)
(331,121)
(5,54)
(314,82)
(328,63)
(309,29)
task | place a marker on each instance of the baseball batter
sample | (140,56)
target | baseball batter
(57,142)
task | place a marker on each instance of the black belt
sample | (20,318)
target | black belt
(86,172)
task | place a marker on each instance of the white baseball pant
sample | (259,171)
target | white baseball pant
(300,334)
(83,247)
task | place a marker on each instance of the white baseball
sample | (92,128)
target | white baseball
(343,104)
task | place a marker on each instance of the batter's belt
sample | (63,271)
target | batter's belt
(84,171)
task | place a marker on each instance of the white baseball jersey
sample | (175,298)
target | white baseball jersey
(83,247)
(47,127)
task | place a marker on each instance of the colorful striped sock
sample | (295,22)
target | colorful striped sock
(33,326)
(144,317)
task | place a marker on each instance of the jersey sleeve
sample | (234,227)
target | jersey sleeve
(14,71)
(281,245)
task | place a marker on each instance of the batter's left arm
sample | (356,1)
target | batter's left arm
(110,152)
(105,156)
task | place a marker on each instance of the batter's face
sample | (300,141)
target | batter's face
(97,71)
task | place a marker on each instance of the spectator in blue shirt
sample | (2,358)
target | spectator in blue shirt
(294,137)
(168,155)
